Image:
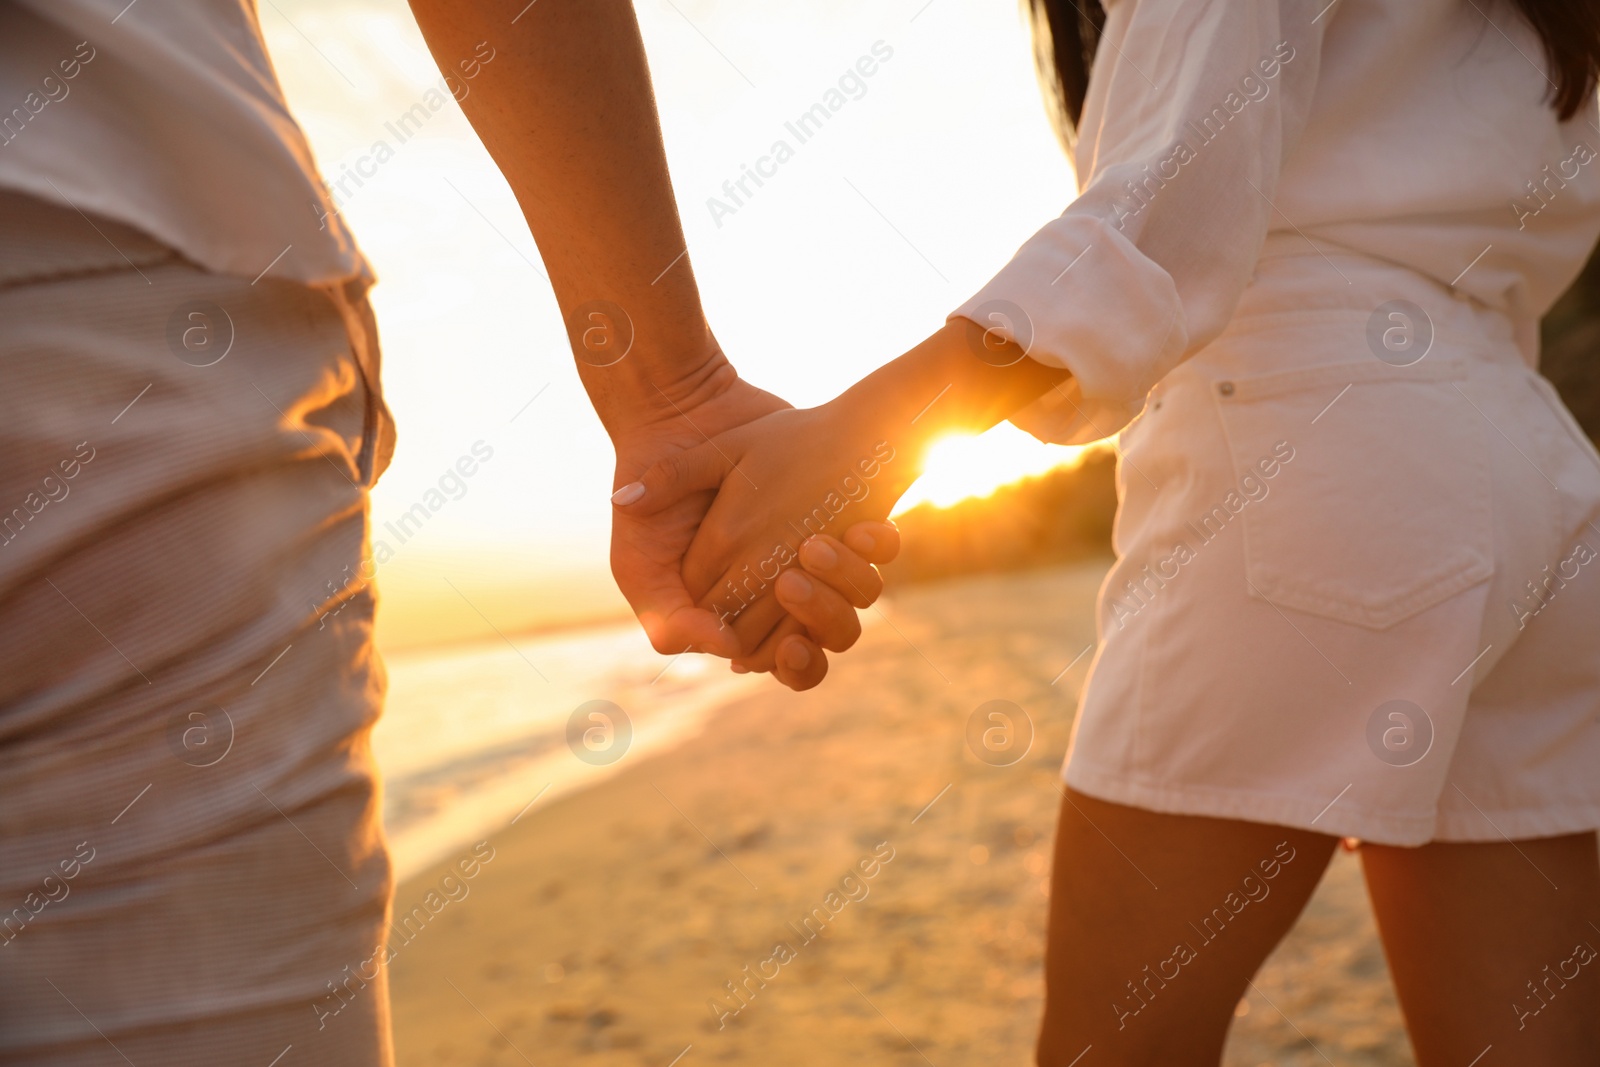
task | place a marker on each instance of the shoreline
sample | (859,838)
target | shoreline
(474,736)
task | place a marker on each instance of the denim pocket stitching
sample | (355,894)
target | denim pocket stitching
(1266,386)
(1474,562)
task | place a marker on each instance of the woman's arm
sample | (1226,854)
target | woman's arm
(1193,110)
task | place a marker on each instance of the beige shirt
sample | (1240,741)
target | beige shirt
(1415,132)
(166,115)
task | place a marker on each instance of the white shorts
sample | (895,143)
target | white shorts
(1353,596)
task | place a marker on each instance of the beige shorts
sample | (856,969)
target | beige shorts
(190,850)
(1358,576)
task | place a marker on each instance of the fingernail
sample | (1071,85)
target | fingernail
(799,586)
(870,542)
(796,655)
(739,668)
(628,494)
(819,554)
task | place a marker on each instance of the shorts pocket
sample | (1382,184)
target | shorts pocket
(1380,504)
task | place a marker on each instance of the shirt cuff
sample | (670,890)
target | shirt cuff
(1080,296)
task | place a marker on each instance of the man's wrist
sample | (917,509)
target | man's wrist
(635,393)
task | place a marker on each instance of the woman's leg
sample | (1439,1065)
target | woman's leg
(1157,923)
(1493,948)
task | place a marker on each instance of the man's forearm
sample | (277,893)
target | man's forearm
(567,111)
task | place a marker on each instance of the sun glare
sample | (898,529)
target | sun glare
(962,466)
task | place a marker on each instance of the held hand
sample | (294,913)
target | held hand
(789,475)
(783,479)
(648,546)
(822,600)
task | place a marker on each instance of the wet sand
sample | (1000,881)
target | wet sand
(607,923)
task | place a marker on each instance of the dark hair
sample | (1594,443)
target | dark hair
(1067,33)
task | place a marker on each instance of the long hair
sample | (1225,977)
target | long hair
(1067,33)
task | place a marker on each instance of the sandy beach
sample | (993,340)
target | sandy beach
(607,924)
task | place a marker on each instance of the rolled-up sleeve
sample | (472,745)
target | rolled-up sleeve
(1192,107)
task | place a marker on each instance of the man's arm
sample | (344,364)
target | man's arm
(567,111)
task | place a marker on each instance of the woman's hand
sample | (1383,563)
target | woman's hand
(822,612)
(836,580)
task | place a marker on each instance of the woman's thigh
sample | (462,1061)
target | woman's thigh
(1157,923)
(1493,947)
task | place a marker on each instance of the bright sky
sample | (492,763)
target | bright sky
(917,190)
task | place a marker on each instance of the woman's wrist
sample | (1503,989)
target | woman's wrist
(959,380)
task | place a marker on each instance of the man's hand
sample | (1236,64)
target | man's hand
(782,488)
(647,551)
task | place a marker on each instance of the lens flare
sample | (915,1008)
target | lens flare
(963,465)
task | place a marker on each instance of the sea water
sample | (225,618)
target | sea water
(475,736)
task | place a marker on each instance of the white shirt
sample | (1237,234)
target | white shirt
(1413,131)
(167,115)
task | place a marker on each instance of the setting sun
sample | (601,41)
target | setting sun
(962,465)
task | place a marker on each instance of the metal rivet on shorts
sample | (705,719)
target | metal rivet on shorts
(1225,388)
